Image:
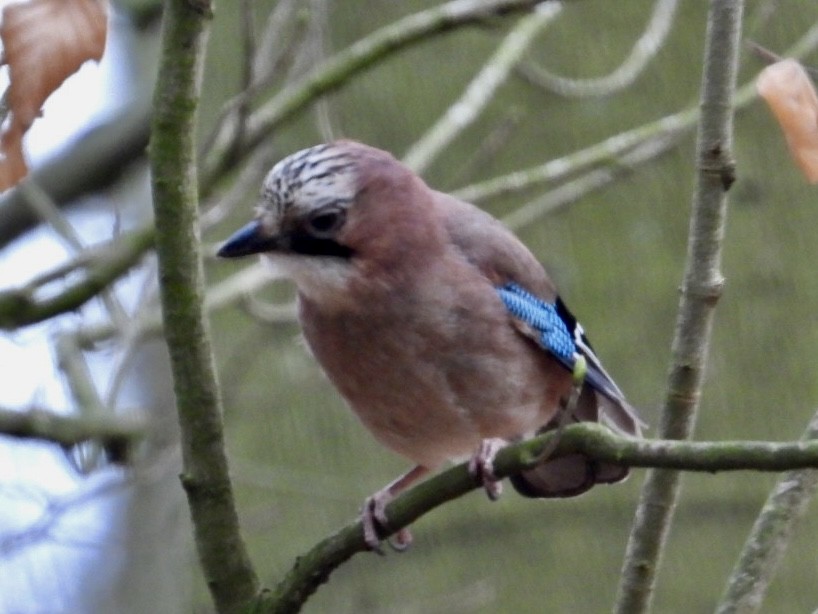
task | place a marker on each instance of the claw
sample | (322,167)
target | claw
(373,514)
(481,466)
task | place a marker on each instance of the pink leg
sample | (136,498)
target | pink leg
(481,466)
(374,511)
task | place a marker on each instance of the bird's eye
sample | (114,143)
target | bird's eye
(325,223)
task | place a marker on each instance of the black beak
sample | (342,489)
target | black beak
(247,241)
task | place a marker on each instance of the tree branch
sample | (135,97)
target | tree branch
(314,568)
(226,564)
(701,289)
(117,432)
(100,266)
(572,191)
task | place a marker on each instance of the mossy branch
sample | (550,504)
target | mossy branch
(313,569)
(223,555)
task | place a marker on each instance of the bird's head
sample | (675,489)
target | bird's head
(339,210)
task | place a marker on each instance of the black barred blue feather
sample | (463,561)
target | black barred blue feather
(558,331)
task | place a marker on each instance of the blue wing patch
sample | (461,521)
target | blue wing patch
(543,318)
(558,332)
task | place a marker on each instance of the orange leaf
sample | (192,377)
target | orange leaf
(44,42)
(13,165)
(791,96)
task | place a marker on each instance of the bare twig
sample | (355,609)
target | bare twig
(644,50)
(46,209)
(769,57)
(481,89)
(95,268)
(313,50)
(270,313)
(271,59)
(496,139)
(248,182)
(54,509)
(573,191)
(574,163)
(701,289)
(227,292)
(78,379)
(69,430)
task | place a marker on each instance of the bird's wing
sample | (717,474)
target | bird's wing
(532,300)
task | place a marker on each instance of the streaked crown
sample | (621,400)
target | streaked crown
(310,179)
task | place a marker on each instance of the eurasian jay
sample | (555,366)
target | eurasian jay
(435,323)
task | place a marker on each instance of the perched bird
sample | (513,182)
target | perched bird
(435,323)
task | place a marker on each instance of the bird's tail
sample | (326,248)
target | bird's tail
(571,475)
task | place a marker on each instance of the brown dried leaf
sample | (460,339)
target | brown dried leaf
(13,164)
(790,94)
(44,42)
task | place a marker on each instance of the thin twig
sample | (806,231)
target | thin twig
(496,138)
(644,50)
(283,32)
(576,162)
(46,210)
(227,292)
(13,540)
(770,57)
(313,51)
(573,191)
(69,430)
(97,269)
(83,391)
(481,89)
(248,65)
(269,313)
(249,179)
(271,59)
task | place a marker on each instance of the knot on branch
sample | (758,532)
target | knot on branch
(717,161)
(710,291)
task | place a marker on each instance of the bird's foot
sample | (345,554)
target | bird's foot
(373,516)
(481,466)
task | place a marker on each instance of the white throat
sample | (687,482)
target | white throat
(324,281)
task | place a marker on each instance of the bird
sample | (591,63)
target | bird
(436,324)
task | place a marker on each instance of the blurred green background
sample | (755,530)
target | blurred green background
(303,464)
